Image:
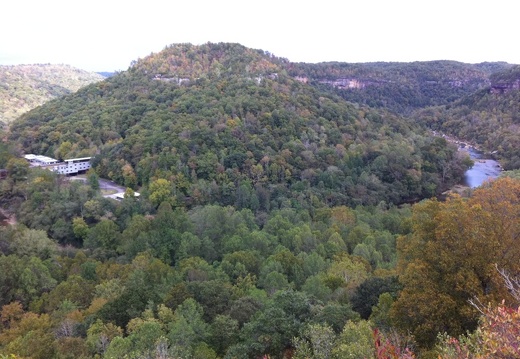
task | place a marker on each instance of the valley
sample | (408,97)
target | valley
(271,209)
(25,87)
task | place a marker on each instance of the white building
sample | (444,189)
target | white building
(38,160)
(72,166)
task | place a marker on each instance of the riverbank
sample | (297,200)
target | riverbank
(465,146)
(485,166)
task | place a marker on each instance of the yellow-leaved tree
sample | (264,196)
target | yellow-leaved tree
(450,257)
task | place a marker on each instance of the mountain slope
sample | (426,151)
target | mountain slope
(24,87)
(400,87)
(224,123)
(489,118)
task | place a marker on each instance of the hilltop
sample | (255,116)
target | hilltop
(24,87)
(228,124)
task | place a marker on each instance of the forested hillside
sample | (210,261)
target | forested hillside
(217,282)
(478,103)
(275,218)
(24,87)
(400,87)
(224,124)
(489,118)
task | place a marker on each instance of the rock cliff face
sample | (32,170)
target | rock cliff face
(347,83)
(503,87)
(405,87)
(357,83)
(506,81)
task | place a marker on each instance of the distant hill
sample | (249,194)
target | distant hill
(489,117)
(400,87)
(24,87)
(226,124)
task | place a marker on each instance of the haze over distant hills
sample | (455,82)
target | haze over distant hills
(24,87)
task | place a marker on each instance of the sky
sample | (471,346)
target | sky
(107,35)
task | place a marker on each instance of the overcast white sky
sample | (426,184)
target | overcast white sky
(106,35)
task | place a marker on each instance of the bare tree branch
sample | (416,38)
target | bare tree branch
(512,283)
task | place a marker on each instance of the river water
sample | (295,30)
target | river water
(483,169)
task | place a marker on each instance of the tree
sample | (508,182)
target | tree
(31,336)
(243,309)
(93,179)
(143,337)
(99,336)
(23,279)
(500,328)
(275,281)
(450,256)
(104,234)
(80,228)
(367,294)
(380,315)
(392,345)
(160,191)
(71,348)
(165,232)
(336,315)
(92,210)
(32,242)
(188,329)
(213,295)
(355,341)
(129,177)
(497,334)
(75,289)
(272,330)
(316,287)
(223,333)
(426,305)
(18,168)
(148,281)
(350,271)
(501,200)
(63,150)
(135,237)
(318,343)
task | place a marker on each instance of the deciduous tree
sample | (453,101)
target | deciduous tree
(450,256)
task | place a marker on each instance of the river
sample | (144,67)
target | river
(483,169)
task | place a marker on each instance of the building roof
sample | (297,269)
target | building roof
(39,158)
(78,159)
